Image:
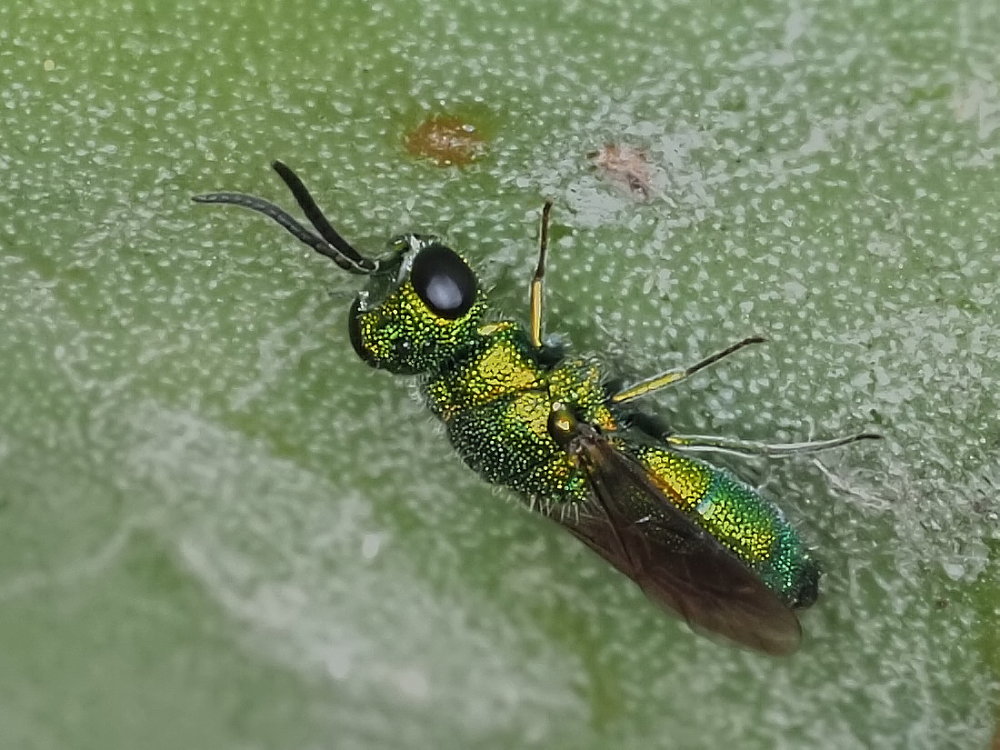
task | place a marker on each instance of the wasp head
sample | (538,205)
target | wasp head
(420,311)
(422,302)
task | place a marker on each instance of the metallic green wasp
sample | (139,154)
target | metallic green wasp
(523,414)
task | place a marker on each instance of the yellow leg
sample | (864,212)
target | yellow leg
(655,383)
(537,286)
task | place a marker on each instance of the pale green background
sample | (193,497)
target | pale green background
(218,529)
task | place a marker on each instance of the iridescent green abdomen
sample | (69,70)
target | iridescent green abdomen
(754,529)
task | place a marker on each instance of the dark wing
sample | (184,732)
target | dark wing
(632,525)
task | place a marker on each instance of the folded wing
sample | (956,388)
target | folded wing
(630,523)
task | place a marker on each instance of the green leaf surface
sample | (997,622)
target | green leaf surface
(219,529)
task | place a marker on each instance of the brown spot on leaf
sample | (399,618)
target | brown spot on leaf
(447,140)
(626,166)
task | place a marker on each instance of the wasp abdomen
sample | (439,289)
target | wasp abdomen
(751,527)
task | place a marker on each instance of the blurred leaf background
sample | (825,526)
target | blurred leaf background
(219,529)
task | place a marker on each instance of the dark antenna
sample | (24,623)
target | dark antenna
(328,242)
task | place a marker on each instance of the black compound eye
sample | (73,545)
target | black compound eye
(443,281)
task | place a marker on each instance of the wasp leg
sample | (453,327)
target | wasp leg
(537,290)
(662,380)
(755,448)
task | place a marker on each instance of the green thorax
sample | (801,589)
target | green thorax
(496,398)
